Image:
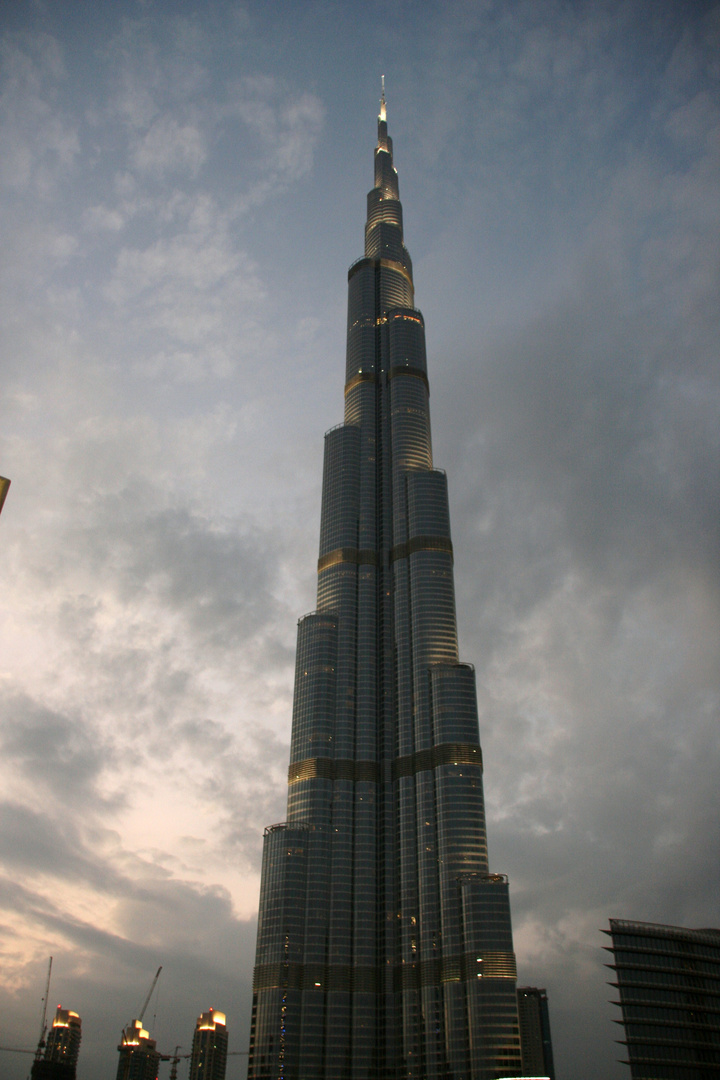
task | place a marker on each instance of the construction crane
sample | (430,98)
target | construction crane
(37,1052)
(150,994)
(174,1058)
(153,984)
(43,1022)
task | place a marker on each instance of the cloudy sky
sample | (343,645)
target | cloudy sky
(182,189)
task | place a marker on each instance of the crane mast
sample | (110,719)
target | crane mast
(43,1021)
(150,993)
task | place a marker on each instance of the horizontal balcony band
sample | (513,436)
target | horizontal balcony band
(407,369)
(371,557)
(360,377)
(371,771)
(397,369)
(381,264)
(356,556)
(370,978)
(421,543)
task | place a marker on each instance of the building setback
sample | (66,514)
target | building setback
(384,945)
(208,1060)
(668,979)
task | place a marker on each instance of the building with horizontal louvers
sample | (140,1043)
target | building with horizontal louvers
(384,945)
(668,983)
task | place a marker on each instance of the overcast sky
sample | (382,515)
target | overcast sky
(182,189)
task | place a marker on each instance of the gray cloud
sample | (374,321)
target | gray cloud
(35,843)
(60,756)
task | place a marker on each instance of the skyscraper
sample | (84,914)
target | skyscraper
(59,1061)
(535,1041)
(209,1049)
(139,1057)
(668,978)
(384,944)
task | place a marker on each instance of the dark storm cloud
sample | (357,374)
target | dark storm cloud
(61,757)
(611,441)
(589,493)
(219,576)
(34,842)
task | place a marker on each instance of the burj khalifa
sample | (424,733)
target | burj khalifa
(384,947)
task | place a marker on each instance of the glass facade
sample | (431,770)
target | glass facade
(384,943)
(668,979)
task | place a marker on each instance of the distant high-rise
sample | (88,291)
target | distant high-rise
(139,1058)
(535,1041)
(209,1049)
(4,488)
(384,946)
(60,1057)
(668,979)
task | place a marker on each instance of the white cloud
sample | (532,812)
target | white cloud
(169,146)
(40,142)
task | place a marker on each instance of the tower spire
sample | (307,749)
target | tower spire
(384,142)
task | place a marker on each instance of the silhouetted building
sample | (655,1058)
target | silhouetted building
(139,1058)
(209,1049)
(535,1041)
(52,1070)
(668,979)
(62,1047)
(384,945)
(4,488)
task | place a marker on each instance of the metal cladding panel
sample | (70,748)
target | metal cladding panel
(406,340)
(454,698)
(433,622)
(361,332)
(314,708)
(368,943)
(281,924)
(410,421)
(395,288)
(428,512)
(384,241)
(491,984)
(386,178)
(462,839)
(381,208)
(341,474)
